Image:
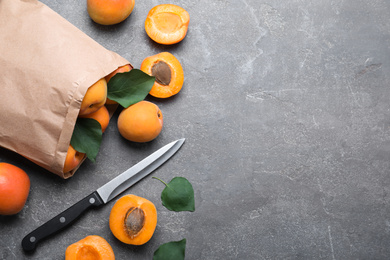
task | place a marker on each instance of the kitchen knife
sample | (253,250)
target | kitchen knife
(103,194)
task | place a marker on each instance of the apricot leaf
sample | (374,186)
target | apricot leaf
(130,87)
(178,195)
(87,137)
(171,250)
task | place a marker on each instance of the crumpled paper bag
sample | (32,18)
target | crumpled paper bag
(46,67)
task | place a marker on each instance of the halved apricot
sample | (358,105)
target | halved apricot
(90,247)
(133,219)
(168,72)
(167,23)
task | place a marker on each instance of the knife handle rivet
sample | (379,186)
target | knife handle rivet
(32,239)
(92,200)
(62,219)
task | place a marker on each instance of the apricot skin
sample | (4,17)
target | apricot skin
(14,189)
(72,160)
(102,116)
(141,122)
(109,12)
(94,98)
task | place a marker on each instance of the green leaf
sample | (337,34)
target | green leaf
(178,195)
(128,88)
(171,250)
(87,137)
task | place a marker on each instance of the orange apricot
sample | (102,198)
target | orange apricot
(90,248)
(94,98)
(14,189)
(133,219)
(141,122)
(168,72)
(125,68)
(167,23)
(72,160)
(102,116)
(108,12)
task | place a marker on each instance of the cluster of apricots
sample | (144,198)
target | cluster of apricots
(132,220)
(143,121)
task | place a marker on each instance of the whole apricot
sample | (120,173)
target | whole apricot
(94,98)
(102,116)
(125,68)
(72,160)
(14,189)
(108,12)
(90,248)
(141,122)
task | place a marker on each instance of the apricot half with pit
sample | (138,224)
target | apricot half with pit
(167,70)
(133,219)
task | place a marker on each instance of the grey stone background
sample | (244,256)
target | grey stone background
(286,114)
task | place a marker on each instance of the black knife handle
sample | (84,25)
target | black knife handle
(60,221)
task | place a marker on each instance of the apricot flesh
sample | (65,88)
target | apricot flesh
(133,219)
(90,248)
(109,12)
(94,98)
(141,122)
(167,23)
(168,72)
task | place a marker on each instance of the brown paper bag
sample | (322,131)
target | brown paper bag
(46,67)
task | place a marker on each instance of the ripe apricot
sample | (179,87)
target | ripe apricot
(108,12)
(168,72)
(141,122)
(167,23)
(72,160)
(133,219)
(90,248)
(94,98)
(102,116)
(125,68)
(14,189)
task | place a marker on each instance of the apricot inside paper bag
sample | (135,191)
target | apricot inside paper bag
(47,65)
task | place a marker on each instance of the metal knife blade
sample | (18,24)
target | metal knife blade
(103,194)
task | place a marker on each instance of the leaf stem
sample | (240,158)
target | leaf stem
(160,180)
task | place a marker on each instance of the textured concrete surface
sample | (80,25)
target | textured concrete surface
(286,114)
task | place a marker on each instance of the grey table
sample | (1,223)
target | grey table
(286,114)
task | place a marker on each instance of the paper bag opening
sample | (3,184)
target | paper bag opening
(46,67)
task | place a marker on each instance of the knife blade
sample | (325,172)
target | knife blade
(102,195)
